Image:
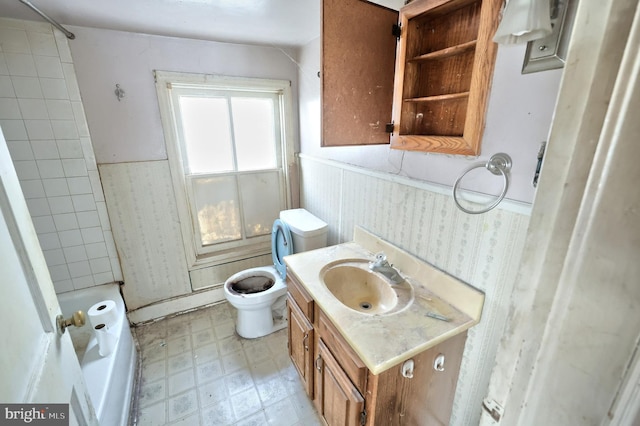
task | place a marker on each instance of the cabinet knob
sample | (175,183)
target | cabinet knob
(317,363)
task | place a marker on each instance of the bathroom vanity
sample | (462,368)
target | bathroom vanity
(370,358)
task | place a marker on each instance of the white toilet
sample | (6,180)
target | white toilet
(259,294)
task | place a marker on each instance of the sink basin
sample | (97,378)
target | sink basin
(362,290)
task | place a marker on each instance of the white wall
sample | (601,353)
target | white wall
(42,117)
(130,150)
(130,129)
(518,120)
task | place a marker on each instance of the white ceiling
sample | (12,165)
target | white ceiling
(267,22)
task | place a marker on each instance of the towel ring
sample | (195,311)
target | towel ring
(498,164)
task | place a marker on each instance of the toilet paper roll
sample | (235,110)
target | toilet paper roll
(104,312)
(103,317)
(106,339)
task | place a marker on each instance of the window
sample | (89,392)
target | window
(229,154)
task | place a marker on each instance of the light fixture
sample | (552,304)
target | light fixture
(523,21)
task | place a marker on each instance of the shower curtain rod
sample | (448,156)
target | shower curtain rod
(66,32)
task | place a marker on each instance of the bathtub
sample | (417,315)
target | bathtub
(110,380)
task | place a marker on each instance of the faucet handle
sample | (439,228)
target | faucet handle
(381,257)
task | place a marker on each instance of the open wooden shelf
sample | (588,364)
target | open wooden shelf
(445,53)
(446,97)
(444,69)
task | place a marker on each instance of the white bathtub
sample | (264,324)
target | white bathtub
(110,380)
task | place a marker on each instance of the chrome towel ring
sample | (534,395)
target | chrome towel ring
(498,164)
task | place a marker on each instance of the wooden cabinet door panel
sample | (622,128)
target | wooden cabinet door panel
(300,334)
(340,402)
(300,296)
(358,59)
(342,352)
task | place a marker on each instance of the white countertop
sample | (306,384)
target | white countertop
(385,340)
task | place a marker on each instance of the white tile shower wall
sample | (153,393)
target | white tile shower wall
(146,228)
(482,250)
(42,117)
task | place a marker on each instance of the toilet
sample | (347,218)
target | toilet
(259,294)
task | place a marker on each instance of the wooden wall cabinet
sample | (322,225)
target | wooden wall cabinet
(443,71)
(444,68)
(346,393)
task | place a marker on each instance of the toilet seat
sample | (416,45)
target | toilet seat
(281,246)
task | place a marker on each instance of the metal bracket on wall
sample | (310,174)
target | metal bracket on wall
(550,52)
(494,409)
(539,165)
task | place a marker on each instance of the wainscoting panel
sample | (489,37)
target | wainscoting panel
(323,197)
(217,275)
(146,230)
(482,250)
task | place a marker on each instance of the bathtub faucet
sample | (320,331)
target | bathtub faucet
(385,268)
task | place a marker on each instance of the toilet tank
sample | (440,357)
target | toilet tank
(307,231)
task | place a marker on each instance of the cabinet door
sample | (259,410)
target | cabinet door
(340,402)
(300,333)
(358,58)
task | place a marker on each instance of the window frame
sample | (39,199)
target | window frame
(232,250)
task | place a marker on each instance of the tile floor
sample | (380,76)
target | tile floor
(197,371)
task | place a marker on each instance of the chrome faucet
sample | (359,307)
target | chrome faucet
(385,268)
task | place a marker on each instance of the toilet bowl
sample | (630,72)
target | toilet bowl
(259,294)
(245,292)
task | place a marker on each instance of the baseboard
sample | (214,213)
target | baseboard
(191,301)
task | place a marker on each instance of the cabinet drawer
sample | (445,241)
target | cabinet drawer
(301,297)
(346,357)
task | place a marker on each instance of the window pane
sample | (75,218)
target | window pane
(260,194)
(253,127)
(207,134)
(217,208)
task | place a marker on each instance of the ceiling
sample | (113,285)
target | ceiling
(265,22)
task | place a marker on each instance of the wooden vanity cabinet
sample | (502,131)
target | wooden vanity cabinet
(300,342)
(337,399)
(426,399)
(300,332)
(346,393)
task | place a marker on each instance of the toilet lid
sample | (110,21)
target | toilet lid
(281,246)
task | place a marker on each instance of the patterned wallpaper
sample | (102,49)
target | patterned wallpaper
(482,250)
(147,232)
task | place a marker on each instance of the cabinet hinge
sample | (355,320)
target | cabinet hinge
(396,30)
(388,128)
(363,418)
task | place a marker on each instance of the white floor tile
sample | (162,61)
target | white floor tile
(197,371)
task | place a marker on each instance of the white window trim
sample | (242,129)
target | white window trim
(164,79)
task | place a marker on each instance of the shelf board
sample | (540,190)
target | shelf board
(445,53)
(447,97)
